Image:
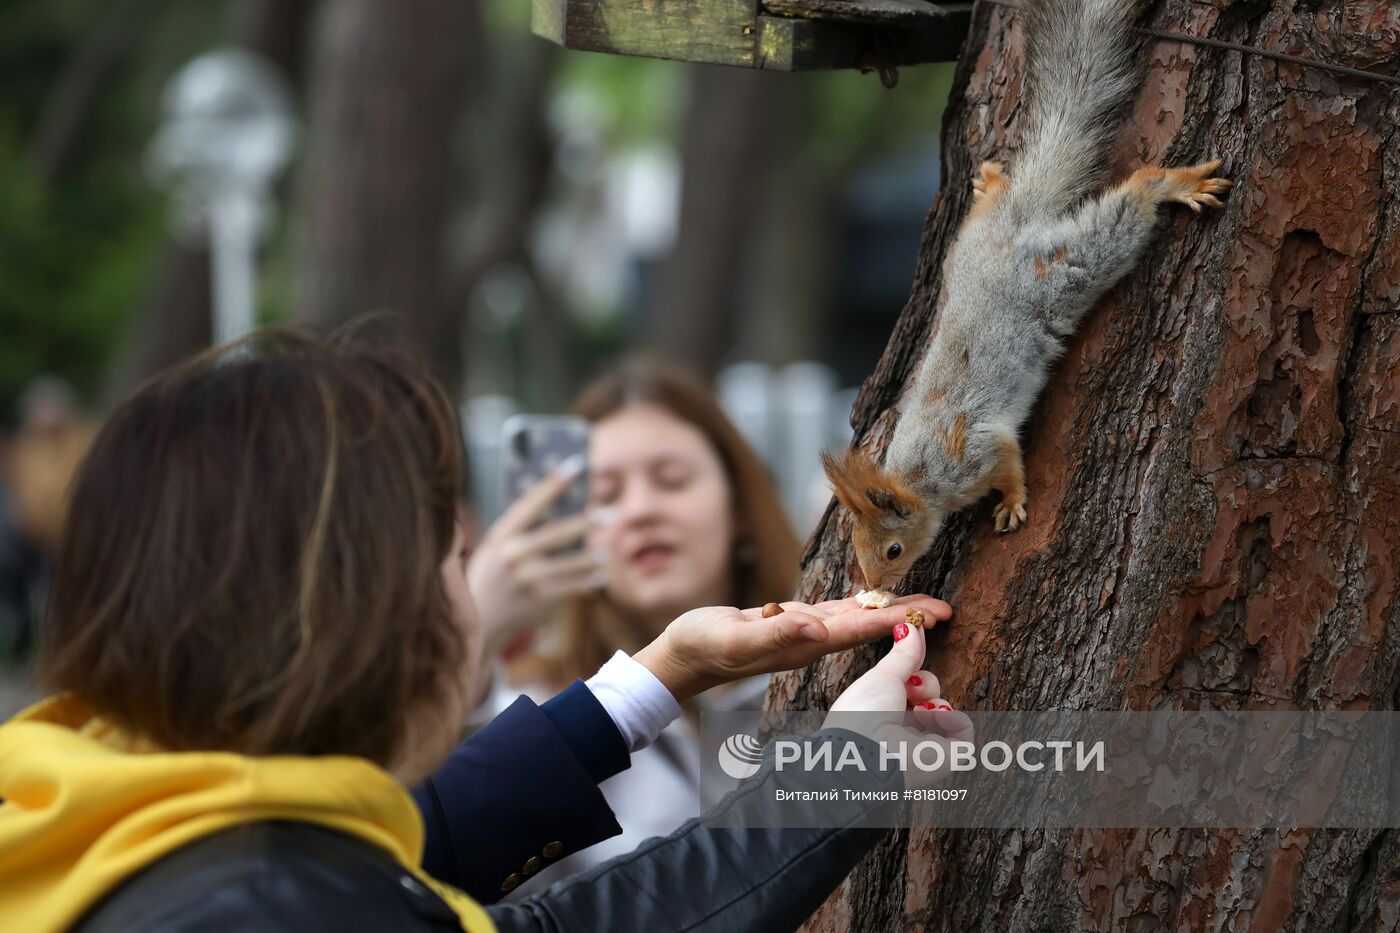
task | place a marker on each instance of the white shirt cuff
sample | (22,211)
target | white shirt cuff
(639,704)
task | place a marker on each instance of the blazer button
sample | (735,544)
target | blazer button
(532,865)
(512,881)
(553,849)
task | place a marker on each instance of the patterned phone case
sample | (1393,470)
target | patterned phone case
(536,444)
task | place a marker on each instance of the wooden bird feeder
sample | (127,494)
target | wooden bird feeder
(774,35)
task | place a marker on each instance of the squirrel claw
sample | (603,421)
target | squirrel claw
(1009,517)
(1194,188)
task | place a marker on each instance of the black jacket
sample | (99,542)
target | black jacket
(282,876)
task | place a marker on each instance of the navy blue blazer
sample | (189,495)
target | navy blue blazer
(521,793)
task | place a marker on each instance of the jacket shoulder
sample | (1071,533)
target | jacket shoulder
(278,877)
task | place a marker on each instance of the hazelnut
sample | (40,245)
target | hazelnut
(771,609)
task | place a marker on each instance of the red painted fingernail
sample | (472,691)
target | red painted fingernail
(942,704)
(900,631)
(916,681)
(925,705)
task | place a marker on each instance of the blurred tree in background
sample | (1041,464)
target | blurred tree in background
(459,171)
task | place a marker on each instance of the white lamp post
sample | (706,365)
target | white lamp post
(228,130)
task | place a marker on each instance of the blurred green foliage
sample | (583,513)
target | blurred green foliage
(77,248)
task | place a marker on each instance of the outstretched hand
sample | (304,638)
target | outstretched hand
(888,690)
(717,644)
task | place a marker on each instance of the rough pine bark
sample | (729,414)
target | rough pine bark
(1214,501)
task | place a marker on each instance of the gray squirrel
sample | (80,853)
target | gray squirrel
(1034,253)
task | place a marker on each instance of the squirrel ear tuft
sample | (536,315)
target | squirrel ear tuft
(886,501)
(865,487)
(848,472)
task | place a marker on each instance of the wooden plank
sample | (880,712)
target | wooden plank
(807,44)
(815,34)
(722,32)
(889,12)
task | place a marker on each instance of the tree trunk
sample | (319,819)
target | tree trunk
(731,127)
(510,168)
(784,306)
(389,83)
(1213,481)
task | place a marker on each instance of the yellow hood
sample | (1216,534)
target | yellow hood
(86,804)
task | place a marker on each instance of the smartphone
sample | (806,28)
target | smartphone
(534,445)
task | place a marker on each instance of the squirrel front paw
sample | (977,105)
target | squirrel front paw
(991,178)
(1009,514)
(1193,186)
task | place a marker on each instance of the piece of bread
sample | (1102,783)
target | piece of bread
(874,599)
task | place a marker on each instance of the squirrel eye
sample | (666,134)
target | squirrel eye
(894,551)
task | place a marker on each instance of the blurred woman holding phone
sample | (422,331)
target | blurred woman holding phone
(682,514)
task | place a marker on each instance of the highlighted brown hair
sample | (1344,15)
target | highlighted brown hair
(251,556)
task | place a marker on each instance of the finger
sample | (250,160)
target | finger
(554,535)
(790,628)
(922,686)
(571,565)
(923,716)
(786,606)
(937,717)
(858,626)
(562,588)
(532,503)
(936,609)
(769,645)
(906,656)
(933,608)
(956,725)
(924,729)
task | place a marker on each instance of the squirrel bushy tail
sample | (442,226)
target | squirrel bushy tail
(1082,67)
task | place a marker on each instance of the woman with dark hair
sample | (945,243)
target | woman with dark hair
(257,635)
